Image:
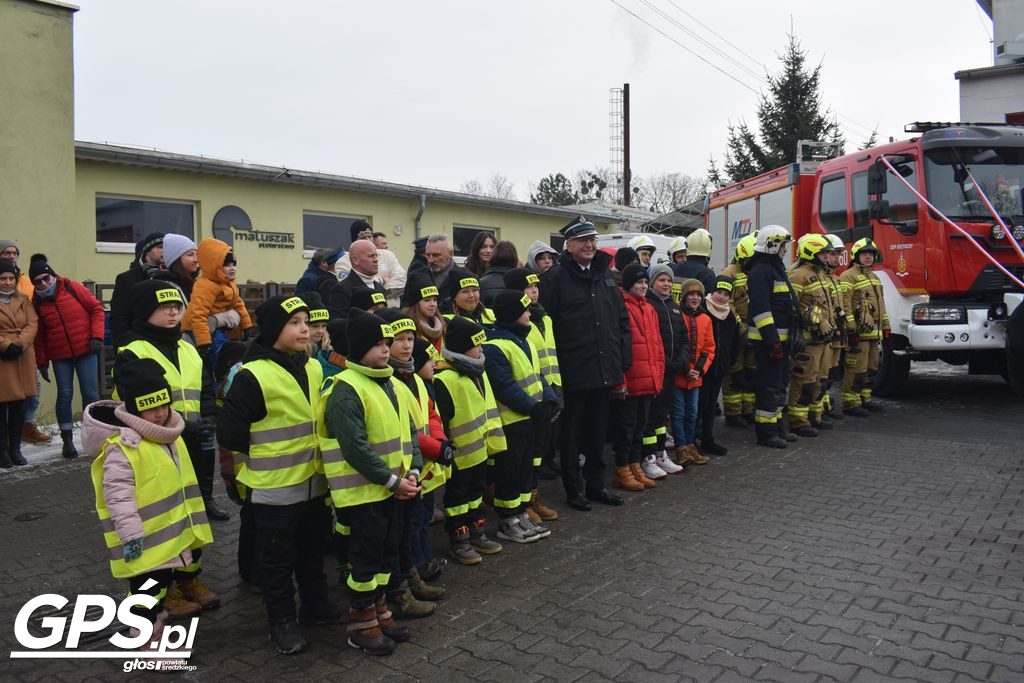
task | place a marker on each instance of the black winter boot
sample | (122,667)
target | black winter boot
(68,451)
(203,464)
(5,457)
(768,435)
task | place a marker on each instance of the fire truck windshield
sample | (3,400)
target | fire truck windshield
(999,172)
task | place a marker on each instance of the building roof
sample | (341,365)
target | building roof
(989,71)
(152,158)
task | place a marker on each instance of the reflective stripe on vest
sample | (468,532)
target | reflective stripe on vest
(544,343)
(168,501)
(283,445)
(387,432)
(525,373)
(433,474)
(186,383)
(476,427)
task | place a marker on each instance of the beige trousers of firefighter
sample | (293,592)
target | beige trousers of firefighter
(828,361)
(803,383)
(859,375)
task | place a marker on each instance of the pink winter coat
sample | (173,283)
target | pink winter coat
(99,423)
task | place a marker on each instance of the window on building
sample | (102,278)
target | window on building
(462,236)
(832,205)
(557,241)
(326,231)
(121,222)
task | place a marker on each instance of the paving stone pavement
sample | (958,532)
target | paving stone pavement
(890,548)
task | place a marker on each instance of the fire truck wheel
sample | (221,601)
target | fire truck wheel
(893,370)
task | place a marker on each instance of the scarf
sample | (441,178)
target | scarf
(661,297)
(431,329)
(717,310)
(473,367)
(160,336)
(401,366)
(49,291)
(6,297)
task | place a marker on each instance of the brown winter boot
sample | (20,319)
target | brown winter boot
(545,513)
(364,633)
(177,607)
(696,457)
(625,479)
(194,590)
(532,514)
(386,622)
(684,455)
(31,434)
(641,478)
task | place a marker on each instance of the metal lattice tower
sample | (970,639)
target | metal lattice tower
(615,127)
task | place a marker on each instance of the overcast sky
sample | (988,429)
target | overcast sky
(435,92)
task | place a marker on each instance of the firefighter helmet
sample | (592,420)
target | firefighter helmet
(641,242)
(862,245)
(810,245)
(771,239)
(745,247)
(835,241)
(675,246)
(698,243)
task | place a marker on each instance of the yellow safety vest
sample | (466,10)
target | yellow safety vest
(283,447)
(186,380)
(433,474)
(476,427)
(544,343)
(525,373)
(387,432)
(168,501)
(486,318)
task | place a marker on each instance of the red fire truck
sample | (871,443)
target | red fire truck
(945,299)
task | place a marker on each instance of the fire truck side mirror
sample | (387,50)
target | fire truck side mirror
(878,181)
(879,210)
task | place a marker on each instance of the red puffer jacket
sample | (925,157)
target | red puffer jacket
(66,322)
(646,376)
(702,347)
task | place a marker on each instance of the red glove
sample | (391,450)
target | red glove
(886,334)
(775,353)
(854,339)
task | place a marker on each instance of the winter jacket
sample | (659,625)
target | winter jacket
(345,420)
(430,445)
(864,302)
(390,274)
(590,322)
(104,419)
(673,333)
(536,249)
(24,285)
(186,285)
(213,293)
(694,268)
(727,340)
(772,308)
(646,377)
(121,298)
(339,296)
(18,325)
(702,347)
(312,278)
(492,283)
(507,391)
(67,322)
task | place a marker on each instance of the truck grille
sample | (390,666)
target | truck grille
(992,279)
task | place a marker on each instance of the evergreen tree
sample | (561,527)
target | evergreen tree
(790,111)
(871,141)
(555,190)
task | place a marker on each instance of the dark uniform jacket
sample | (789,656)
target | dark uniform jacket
(339,297)
(693,268)
(770,314)
(590,323)
(673,333)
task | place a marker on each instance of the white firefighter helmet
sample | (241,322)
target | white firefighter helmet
(641,242)
(771,239)
(835,242)
(698,243)
(675,246)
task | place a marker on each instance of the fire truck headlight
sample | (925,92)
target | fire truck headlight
(1018,233)
(997,232)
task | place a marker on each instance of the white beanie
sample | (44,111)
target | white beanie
(175,246)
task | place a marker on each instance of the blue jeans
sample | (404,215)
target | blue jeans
(64,372)
(684,416)
(32,402)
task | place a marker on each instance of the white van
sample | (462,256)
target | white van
(617,240)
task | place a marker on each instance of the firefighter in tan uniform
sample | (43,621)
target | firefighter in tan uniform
(808,280)
(866,324)
(738,388)
(833,259)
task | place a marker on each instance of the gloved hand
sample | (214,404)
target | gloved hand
(886,334)
(44,372)
(539,411)
(11,352)
(447,456)
(246,334)
(775,352)
(204,352)
(133,549)
(853,339)
(96,346)
(619,394)
(232,490)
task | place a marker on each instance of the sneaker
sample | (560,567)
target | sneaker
(287,637)
(651,469)
(539,530)
(478,539)
(509,529)
(665,463)
(669,441)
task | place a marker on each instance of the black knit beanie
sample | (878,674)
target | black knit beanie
(462,334)
(274,313)
(337,330)
(508,305)
(358,227)
(141,384)
(150,241)
(461,278)
(7,266)
(624,256)
(400,321)
(317,310)
(363,331)
(724,282)
(228,354)
(422,351)
(631,274)
(38,266)
(521,278)
(364,298)
(418,286)
(148,295)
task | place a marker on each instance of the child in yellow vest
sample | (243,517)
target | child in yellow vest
(141,463)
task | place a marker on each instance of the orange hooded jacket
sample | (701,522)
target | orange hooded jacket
(212,293)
